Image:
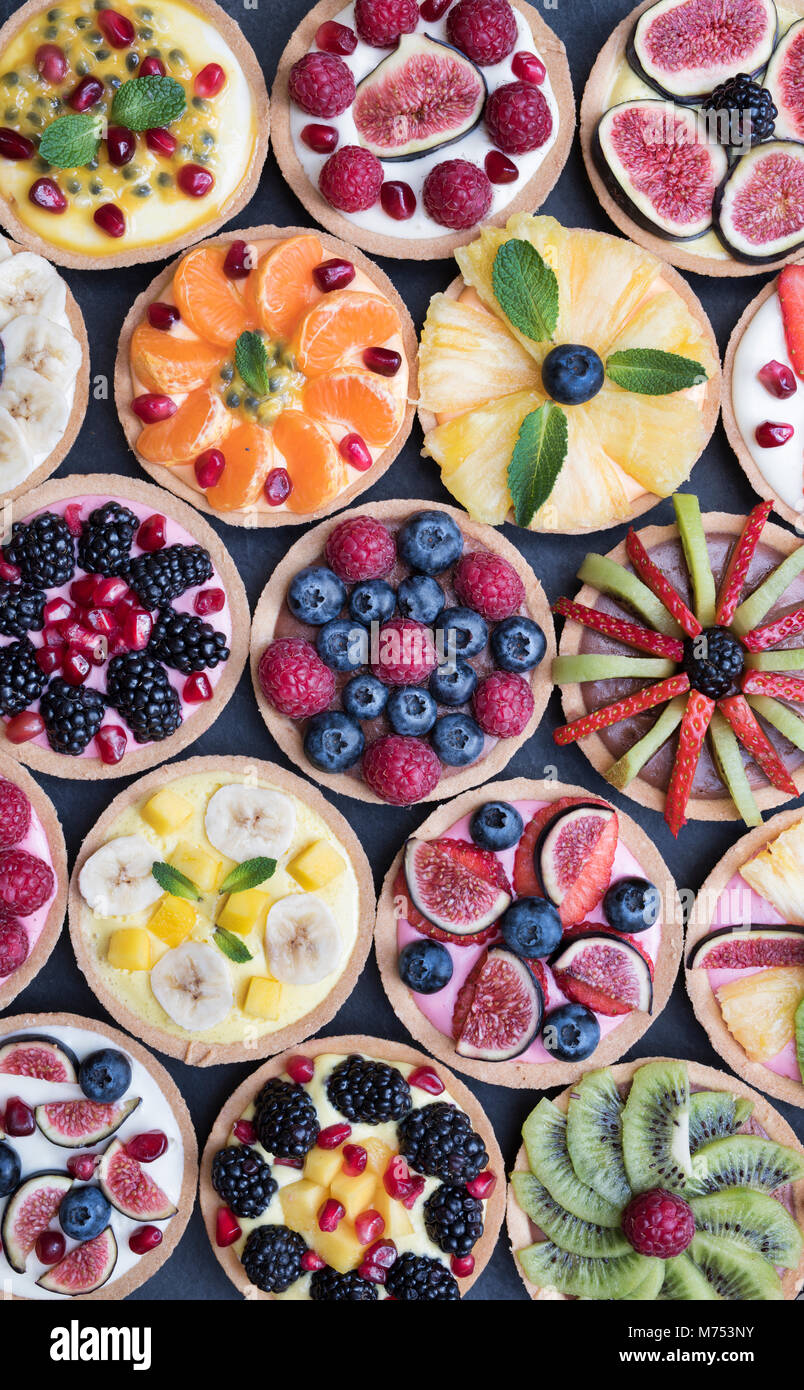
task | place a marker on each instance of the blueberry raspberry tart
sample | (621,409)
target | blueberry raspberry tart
(352,1170)
(658,1179)
(33,878)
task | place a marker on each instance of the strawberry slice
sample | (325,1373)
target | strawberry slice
(733,581)
(483,863)
(660,585)
(773,633)
(744,723)
(631,634)
(790,290)
(527,883)
(607,715)
(691,735)
(776,683)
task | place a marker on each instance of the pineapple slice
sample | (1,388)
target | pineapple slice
(591,490)
(760,1010)
(777,873)
(665,319)
(654,439)
(473,452)
(468,357)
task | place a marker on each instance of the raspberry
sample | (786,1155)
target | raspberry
(380,22)
(658,1223)
(351,179)
(456,194)
(503,704)
(321,84)
(15,814)
(13,944)
(360,548)
(400,770)
(487,583)
(294,679)
(485,30)
(518,118)
(26,882)
(407,653)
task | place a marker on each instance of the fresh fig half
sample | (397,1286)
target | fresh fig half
(87,1268)
(574,856)
(77,1124)
(29,1211)
(683,49)
(738,948)
(499,1010)
(606,973)
(40,1057)
(759,207)
(129,1188)
(784,80)
(449,894)
(421,97)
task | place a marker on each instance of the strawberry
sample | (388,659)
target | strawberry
(607,715)
(631,634)
(791,297)
(731,585)
(745,725)
(773,633)
(696,721)
(539,973)
(777,683)
(659,585)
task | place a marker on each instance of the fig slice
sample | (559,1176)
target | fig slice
(86,1268)
(129,1188)
(606,973)
(29,1211)
(77,1124)
(447,893)
(574,855)
(501,1008)
(785,82)
(421,97)
(759,207)
(683,49)
(38,1056)
(739,948)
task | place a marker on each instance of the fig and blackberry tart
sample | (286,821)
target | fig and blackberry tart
(33,879)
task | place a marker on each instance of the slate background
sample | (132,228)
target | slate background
(583,25)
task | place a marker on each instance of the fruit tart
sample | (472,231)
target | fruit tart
(658,1179)
(400,654)
(221,909)
(33,879)
(123,627)
(701,723)
(98,1160)
(352,1171)
(267,376)
(126,133)
(403,126)
(528,932)
(567,379)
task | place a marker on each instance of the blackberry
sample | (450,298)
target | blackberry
(139,689)
(158,577)
(453,1219)
(438,1140)
(43,551)
(371,1092)
(327,1286)
(272,1257)
(72,715)
(738,98)
(187,643)
(243,1180)
(285,1119)
(22,679)
(21,609)
(713,661)
(106,539)
(418,1277)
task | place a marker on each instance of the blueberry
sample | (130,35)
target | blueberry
(84,1212)
(464,632)
(333,741)
(632,905)
(373,601)
(572,374)
(496,825)
(11,1168)
(425,966)
(364,697)
(429,542)
(457,740)
(531,927)
(571,1033)
(316,595)
(453,683)
(105,1075)
(420,597)
(518,644)
(342,644)
(411,711)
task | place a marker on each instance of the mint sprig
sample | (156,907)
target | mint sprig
(145,102)
(176,883)
(537,460)
(651,372)
(72,141)
(251,360)
(231,945)
(526,289)
(248,874)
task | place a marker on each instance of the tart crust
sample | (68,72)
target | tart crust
(531,195)
(383,1051)
(137,758)
(167,477)
(287,732)
(49,935)
(518,1073)
(520,1231)
(203,1054)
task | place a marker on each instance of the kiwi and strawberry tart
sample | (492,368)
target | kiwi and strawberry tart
(703,721)
(267,376)
(528,932)
(658,1179)
(126,132)
(404,126)
(568,379)
(353,1170)
(401,654)
(33,879)
(98,1160)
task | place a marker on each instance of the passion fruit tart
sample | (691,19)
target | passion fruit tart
(33,865)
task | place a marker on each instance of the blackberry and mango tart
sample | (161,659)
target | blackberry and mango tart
(33,879)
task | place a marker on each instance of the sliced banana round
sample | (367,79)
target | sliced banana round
(5,249)
(44,347)
(30,285)
(39,408)
(116,880)
(247,822)
(302,941)
(16,459)
(192,984)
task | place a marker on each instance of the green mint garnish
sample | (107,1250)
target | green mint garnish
(249,873)
(231,946)
(251,360)
(71,141)
(537,460)
(651,372)
(526,290)
(172,881)
(145,102)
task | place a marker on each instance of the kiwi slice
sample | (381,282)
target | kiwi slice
(715,1115)
(581,1276)
(782,718)
(545,1136)
(731,767)
(693,540)
(592,667)
(800,1037)
(656,1143)
(742,1160)
(734,1273)
(595,1137)
(753,609)
(632,762)
(788,659)
(560,1226)
(684,1282)
(752,1220)
(649,1288)
(610,578)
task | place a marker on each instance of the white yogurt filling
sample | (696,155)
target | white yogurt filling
(763,341)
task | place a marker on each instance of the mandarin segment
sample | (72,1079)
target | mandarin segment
(200,422)
(316,469)
(210,303)
(361,401)
(165,362)
(281,288)
(249,457)
(339,323)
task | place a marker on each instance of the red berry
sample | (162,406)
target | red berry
(227,1228)
(400,769)
(151,67)
(383,361)
(356,452)
(145,1239)
(15,814)
(770,434)
(46,194)
(23,727)
(407,653)
(72,515)
(311,1262)
(528,68)
(150,407)
(121,144)
(50,63)
(333,1136)
(332,37)
(426,1079)
(194,180)
(658,1223)
(777,378)
(360,548)
(209,81)
(518,118)
(111,740)
(82,1166)
(110,219)
(321,84)
(209,467)
(330,1215)
(239,261)
(489,584)
(116,29)
(209,601)
(14,946)
(380,22)
(351,179)
(50,1247)
(355,1159)
(462,1266)
(15,146)
(85,94)
(431,10)
(19,1119)
(160,141)
(483,1185)
(322,139)
(369,1226)
(152,533)
(300,1068)
(500,168)
(147,1147)
(294,679)
(163,315)
(333,275)
(244,1131)
(75,667)
(197,688)
(485,30)
(278,487)
(397,200)
(456,194)
(503,704)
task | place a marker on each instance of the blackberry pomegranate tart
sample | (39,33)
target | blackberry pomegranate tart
(352,1171)
(33,879)
(528,932)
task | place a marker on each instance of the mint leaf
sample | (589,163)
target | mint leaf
(651,372)
(71,141)
(145,102)
(251,360)
(172,881)
(248,874)
(537,460)
(231,946)
(526,289)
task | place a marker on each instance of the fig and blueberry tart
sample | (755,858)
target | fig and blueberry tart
(33,879)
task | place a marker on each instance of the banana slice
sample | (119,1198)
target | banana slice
(44,347)
(192,984)
(30,285)
(246,822)
(116,880)
(302,940)
(16,459)
(5,249)
(39,408)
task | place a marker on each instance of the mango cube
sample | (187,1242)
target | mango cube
(315,866)
(354,1193)
(173,920)
(167,811)
(203,869)
(397,1222)
(129,949)
(244,912)
(323,1165)
(340,1248)
(301,1202)
(379,1153)
(262,998)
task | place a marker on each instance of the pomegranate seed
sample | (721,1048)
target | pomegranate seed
(322,139)
(50,1247)
(289,1162)
(239,260)
(23,727)
(245,1132)
(227,1228)
(311,1262)
(50,63)
(528,68)
(330,1215)
(770,435)
(83,590)
(9,572)
(151,67)
(152,534)
(125,605)
(777,378)
(278,487)
(425,1079)
(396,1178)
(120,145)
(82,1166)
(412,1196)
(355,450)
(116,29)
(83,639)
(462,1265)
(163,315)
(117,644)
(58,610)
(333,1136)
(333,275)
(209,601)
(383,361)
(431,10)
(19,1120)
(208,467)
(483,1185)
(332,37)
(75,667)
(15,146)
(382,1253)
(209,81)
(72,515)
(147,1147)
(111,590)
(46,194)
(52,637)
(160,141)
(111,740)
(110,219)
(101,620)
(369,1225)
(300,1068)
(136,629)
(48,659)
(355,1159)
(145,1239)
(88,91)
(499,168)
(197,688)
(194,180)
(398,200)
(151,407)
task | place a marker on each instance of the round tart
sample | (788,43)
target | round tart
(701,722)
(127,132)
(110,663)
(33,870)
(266,376)
(356,1170)
(403,130)
(567,379)
(98,1162)
(230,872)
(400,654)
(527,933)
(654,1216)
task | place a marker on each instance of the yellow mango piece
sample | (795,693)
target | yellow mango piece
(356,1194)
(340,1248)
(397,1222)
(263,998)
(173,920)
(129,949)
(244,912)
(322,1165)
(301,1202)
(167,811)
(379,1154)
(205,870)
(315,866)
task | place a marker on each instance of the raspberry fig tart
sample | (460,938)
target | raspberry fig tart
(221,909)
(567,379)
(98,1160)
(110,664)
(129,132)
(528,932)
(33,879)
(658,1179)
(267,376)
(400,653)
(352,1171)
(402,126)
